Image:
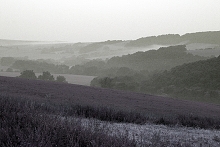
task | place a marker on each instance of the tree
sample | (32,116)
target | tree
(106,82)
(46,76)
(29,74)
(61,79)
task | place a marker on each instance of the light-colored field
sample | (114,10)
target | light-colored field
(155,135)
(72,79)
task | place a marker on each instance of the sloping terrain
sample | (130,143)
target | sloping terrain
(61,92)
(162,59)
(210,37)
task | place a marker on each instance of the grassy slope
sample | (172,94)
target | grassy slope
(36,121)
(68,93)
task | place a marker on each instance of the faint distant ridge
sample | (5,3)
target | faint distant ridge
(7,42)
(210,37)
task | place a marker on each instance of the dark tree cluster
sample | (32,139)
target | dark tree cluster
(29,74)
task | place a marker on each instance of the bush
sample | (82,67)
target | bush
(29,74)
(46,76)
(61,79)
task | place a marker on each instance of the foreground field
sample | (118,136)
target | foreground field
(155,135)
(26,122)
(41,113)
(61,92)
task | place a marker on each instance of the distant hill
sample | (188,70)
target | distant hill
(85,95)
(4,42)
(199,80)
(211,37)
(162,59)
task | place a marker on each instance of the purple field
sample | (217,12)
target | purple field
(61,92)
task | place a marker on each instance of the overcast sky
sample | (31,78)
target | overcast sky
(100,20)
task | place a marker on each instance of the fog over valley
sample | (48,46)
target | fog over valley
(133,73)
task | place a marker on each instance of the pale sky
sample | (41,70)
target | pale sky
(101,20)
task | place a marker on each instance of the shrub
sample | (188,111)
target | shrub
(46,76)
(29,74)
(61,79)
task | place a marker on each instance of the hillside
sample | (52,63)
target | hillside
(72,54)
(198,80)
(68,93)
(162,59)
(71,115)
(211,37)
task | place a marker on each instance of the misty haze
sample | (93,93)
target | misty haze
(110,73)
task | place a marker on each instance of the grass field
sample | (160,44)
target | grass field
(42,113)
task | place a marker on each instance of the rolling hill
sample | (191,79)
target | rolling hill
(210,37)
(85,95)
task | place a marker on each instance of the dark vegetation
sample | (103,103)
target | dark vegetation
(27,123)
(194,81)
(198,79)
(46,76)
(29,74)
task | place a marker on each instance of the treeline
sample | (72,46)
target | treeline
(171,39)
(40,66)
(195,81)
(46,76)
(164,58)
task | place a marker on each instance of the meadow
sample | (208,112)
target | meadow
(43,113)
